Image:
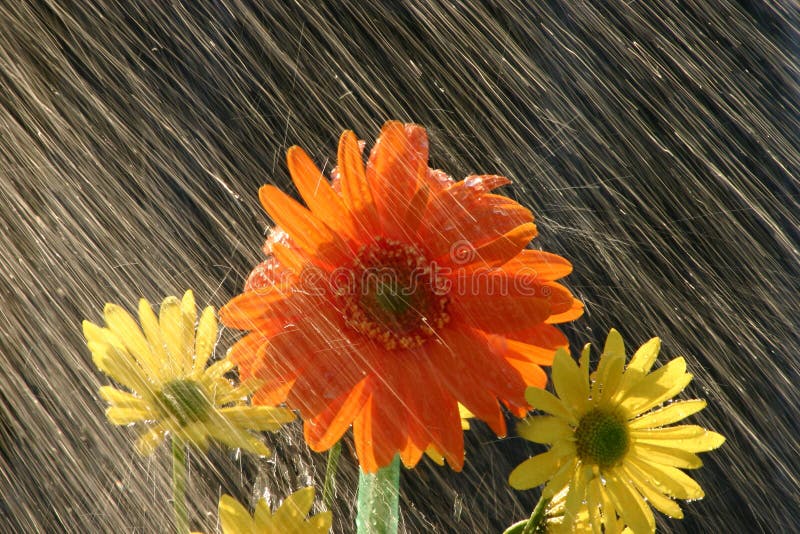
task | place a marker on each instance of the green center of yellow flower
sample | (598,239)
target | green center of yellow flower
(602,438)
(393,294)
(185,401)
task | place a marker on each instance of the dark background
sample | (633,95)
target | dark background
(657,146)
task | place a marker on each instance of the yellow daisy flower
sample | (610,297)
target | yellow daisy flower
(170,388)
(289,518)
(609,447)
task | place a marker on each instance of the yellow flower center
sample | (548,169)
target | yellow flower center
(394,295)
(185,401)
(602,438)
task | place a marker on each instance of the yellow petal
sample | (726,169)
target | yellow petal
(261,418)
(217,370)
(614,346)
(544,429)
(666,456)
(535,471)
(577,493)
(124,326)
(177,340)
(101,336)
(434,455)
(568,383)
(655,388)
(223,392)
(690,438)
(119,365)
(125,416)
(560,479)
(319,524)
(629,504)
(607,377)
(263,517)
(644,358)
(195,434)
(237,438)
(150,439)
(655,497)
(120,398)
(602,502)
(549,403)
(206,339)
(671,413)
(670,480)
(149,322)
(234,518)
(189,309)
(595,505)
(295,508)
(465,416)
(584,362)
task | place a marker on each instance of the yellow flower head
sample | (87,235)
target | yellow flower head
(609,447)
(289,518)
(171,389)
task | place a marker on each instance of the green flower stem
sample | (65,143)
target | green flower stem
(537,517)
(330,475)
(179,486)
(378,499)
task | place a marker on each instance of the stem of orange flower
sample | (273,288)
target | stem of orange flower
(179,486)
(537,517)
(330,475)
(378,500)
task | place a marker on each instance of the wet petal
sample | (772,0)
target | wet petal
(671,413)
(535,471)
(569,383)
(125,328)
(634,511)
(234,517)
(205,340)
(666,456)
(669,480)
(549,403)
(261,418)
(544,429)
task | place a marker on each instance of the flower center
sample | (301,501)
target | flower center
(602,438)
(394,295)
(184,400)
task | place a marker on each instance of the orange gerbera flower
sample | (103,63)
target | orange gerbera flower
(395,295)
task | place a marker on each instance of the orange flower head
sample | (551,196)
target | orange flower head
(395,295)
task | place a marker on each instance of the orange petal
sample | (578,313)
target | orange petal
(397,165)
(273,392)
(271,310)
(518,350)
(496,311)
(290,259)
(269,273)
(497,251)
(415,213)
(362,438)
(480,219)
(575,311)
(560,298)
(476,376)
(244,352)
(539,264)
(324,430)
(317,192)
(355,189)
(323,246)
